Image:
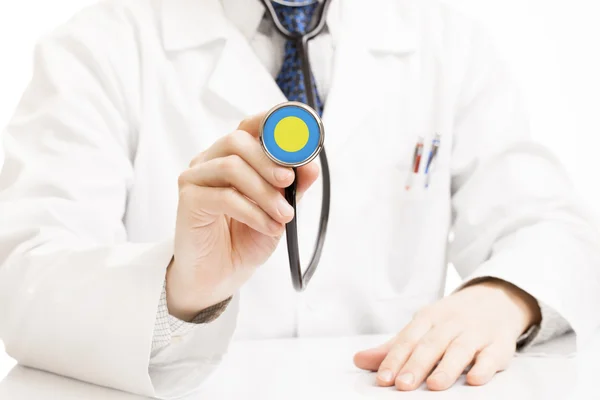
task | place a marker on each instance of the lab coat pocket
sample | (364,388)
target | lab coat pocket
(403,270)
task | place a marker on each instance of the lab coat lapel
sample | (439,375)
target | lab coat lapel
(364,34)
(352,96)
(240,81)
(239,84)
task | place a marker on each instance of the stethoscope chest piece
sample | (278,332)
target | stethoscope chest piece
(292,134)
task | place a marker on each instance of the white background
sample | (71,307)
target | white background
(553,47)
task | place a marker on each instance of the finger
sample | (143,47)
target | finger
(428,351)
(494,358)
(371,359)
(252,124)
(306,175)
(458,356)
(401,350)
(230,202)
(235,172)
(244,145)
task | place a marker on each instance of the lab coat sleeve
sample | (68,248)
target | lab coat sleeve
(516,216)
(76,297)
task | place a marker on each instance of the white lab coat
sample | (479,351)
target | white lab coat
(127,93)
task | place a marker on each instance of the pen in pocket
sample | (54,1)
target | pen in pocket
(416,162)
(435,145)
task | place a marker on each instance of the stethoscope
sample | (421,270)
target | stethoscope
(292,135)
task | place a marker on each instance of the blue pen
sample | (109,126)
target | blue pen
(435,145)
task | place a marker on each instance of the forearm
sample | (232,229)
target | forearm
(555,262)
(86,313)
(91,314)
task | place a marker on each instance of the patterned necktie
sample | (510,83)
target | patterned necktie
(295,19)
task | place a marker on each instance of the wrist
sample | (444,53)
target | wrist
(185,300)
(525,307)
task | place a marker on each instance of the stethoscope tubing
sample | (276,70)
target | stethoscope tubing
(321,19)
(300,280)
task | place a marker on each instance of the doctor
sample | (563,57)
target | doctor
(140,220)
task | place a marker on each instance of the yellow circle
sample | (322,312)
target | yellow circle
(291,134)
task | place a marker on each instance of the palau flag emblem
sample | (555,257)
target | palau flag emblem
(292,134)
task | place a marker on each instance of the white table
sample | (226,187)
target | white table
(322,368)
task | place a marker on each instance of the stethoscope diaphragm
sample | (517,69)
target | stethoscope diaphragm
(292,134)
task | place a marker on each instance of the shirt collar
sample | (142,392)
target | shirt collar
(383,25)
(189,23)
(246,18)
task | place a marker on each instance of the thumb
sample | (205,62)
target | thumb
(306,176)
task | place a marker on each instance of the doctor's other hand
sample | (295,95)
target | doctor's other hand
(230,218)
(478,325)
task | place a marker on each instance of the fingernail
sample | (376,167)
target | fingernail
(386,375)
(284,208)
(406,378)
(283,175)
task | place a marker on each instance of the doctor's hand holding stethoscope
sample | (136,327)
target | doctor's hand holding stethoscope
(232,213)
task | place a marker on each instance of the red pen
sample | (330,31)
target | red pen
(416,162)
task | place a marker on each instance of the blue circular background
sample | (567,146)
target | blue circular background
(314,135)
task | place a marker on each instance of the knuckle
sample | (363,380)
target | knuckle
(499,355)
(398,353)
(196,160)
(246,121)
(391,361)
(407,341)
(264,159)
(494,358)
(406,346)
(455,368)
(229,195)
(487,363)
(240,134)
(424,314)
(464,346)
(186,193)
(241,138)
(404,340)
(425,348)
(453,325)
(183,179)
(273,195)
(427,343)
(231,141)
(229,165)
(452,365)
